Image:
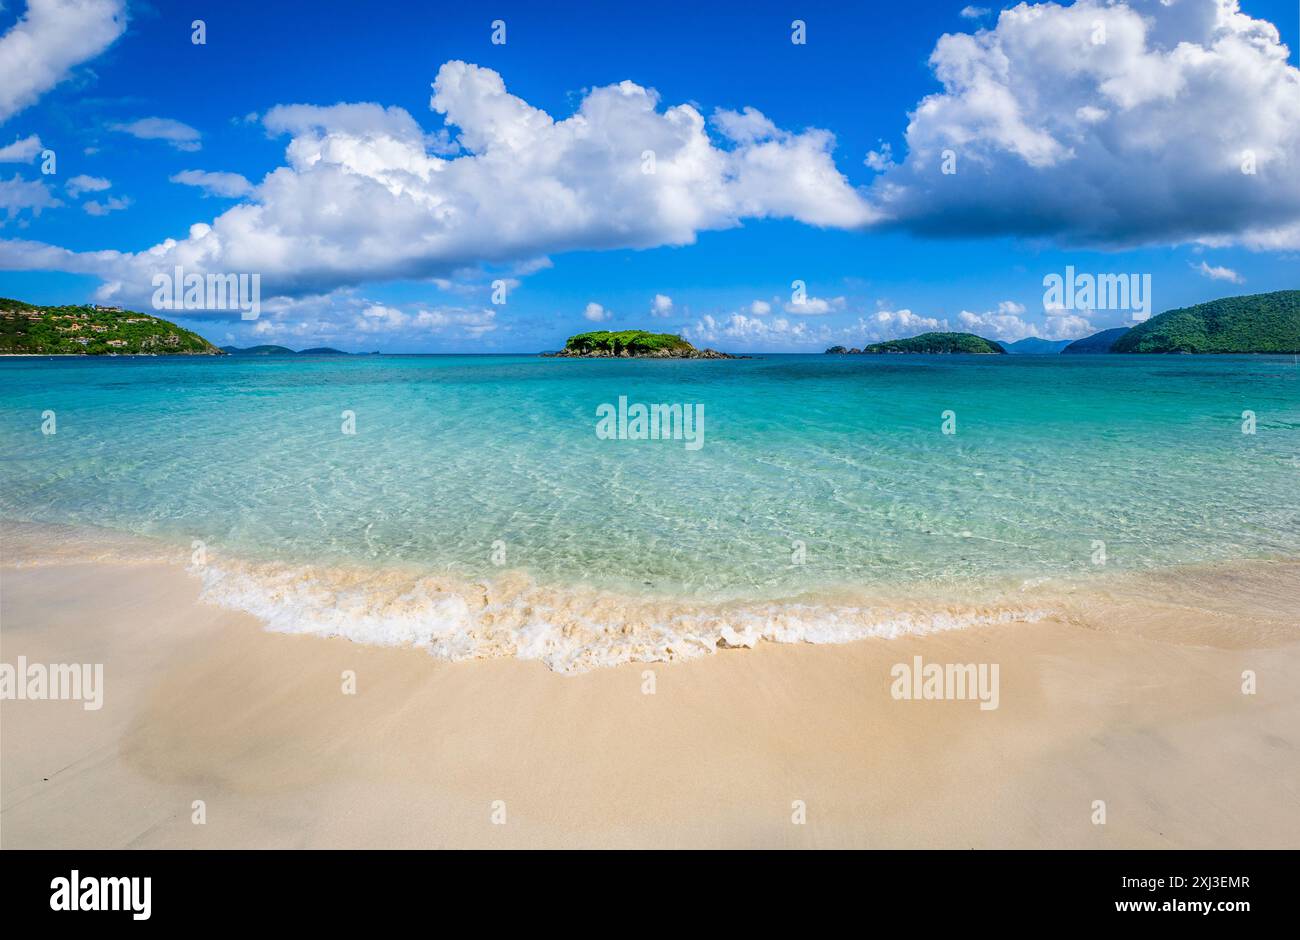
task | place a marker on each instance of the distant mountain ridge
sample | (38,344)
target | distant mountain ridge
(271,350)
(1097,342)
(1036,345)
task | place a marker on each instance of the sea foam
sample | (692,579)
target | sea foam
(571,629)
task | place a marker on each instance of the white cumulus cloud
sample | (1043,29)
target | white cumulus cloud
(51,39)
(1007,323)
(1107,122)
(814,306)
(891,324)
(738,331)
(367,194)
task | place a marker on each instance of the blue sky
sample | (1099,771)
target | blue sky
(1119,156)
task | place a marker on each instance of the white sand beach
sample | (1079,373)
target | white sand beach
(1139,705)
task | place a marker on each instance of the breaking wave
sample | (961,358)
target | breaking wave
(570,629)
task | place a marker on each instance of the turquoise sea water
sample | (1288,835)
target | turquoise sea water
(816,474)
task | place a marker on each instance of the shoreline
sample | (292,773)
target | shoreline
(110,355)
(576,627)
(1138,706)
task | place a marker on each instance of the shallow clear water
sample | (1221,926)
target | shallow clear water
(842,454)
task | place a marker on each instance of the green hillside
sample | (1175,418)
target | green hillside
(84,330)
(1255,323)
(937,343)
(625,343)
(634,344)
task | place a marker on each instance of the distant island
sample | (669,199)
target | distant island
(92,330)
(1255,323)
(1096,343)
(282,351)
(930,344)
(634,344)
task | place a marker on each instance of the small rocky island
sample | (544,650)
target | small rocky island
(929,343)
(634,344)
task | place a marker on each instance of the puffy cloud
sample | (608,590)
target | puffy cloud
(891,324)
(377,318)
(18,195)
(342,318)
(882,159)
(1067,326)
(21,151)
(230,185)
(661,306)
(814,306)
(743,332)
(596,313)
(1107,123)
(111,204)
(1219,273)
(760,308)
(746,126)
(94,184)
(20,255)
(366,195)
(181,136)
(86,184)
(467,322)
(739,330)
(975,13)
(1006,323)
(51,39)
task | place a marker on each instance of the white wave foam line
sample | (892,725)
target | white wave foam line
(571,630)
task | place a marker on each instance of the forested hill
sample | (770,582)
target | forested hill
(938,343)
(1255,323)
(85,330)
